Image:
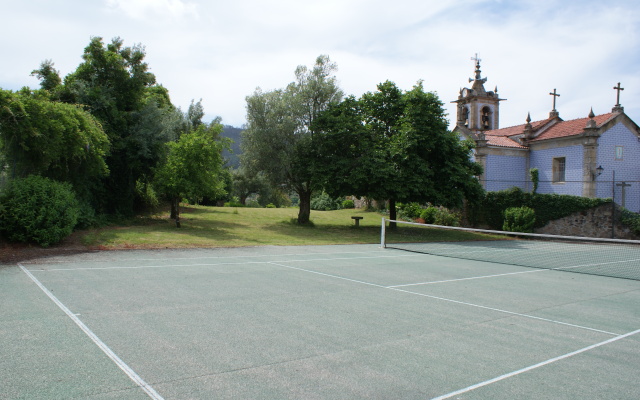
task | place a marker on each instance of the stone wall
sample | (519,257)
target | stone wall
(595,222)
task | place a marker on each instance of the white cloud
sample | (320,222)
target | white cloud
(221,51)
(149,9)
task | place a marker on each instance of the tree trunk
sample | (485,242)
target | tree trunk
(305,206)
(175,211)
(392,213)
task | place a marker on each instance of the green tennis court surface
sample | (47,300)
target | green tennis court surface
(321,322)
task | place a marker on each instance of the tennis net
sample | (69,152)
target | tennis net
(607,257)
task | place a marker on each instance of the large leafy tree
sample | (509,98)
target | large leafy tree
(278,138)
(194,167)
(115,85)
(395,146)
(39,136)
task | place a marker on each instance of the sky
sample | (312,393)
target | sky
(221,51)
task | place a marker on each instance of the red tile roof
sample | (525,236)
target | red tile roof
(543,130)
(572,127)
(516,130)
(503,141)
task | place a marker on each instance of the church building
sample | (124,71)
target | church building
(594,156)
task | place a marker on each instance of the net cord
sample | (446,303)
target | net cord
(537,235)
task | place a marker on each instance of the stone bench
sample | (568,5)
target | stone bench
(357,220)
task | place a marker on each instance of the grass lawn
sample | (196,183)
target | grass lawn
(236,227)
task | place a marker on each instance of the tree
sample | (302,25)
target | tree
(396,146)
(56,140)
(193,168)
(115,85)
(245,184)
(49,77)
(278,138)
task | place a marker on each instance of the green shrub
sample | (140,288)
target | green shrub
(548,207)
(429,215)
(446,217)
(630,219)
(37,209)
(270,205)
(234,202)
(519,219)
(348,204)
(324,202)
(409,211)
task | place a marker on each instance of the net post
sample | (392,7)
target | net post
(383,244)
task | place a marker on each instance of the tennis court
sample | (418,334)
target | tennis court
(313,322)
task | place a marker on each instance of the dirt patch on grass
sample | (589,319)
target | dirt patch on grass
(11,253)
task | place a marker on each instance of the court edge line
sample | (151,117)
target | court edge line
(113,356)
(450,300)
(529,368)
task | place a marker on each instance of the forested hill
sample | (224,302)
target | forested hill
(233,133)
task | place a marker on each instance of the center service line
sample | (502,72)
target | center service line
(121,364)
(448,300)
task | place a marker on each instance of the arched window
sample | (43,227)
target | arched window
(465,116)
(487,120)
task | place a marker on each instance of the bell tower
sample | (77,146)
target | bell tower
(478,110)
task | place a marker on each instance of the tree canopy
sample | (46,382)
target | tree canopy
(193,168)
(277,140)
(114,84)
(52,139)
(395,146)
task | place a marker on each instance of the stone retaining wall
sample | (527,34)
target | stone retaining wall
(595,222)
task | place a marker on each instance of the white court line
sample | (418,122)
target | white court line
(523,370)
(537,269)
(113,356)
(450,300)
(504,311)
(227,263)
(466,279)
(201,258)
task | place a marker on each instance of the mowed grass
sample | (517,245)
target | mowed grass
(237,227)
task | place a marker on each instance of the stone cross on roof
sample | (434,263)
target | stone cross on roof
(554,112)
(478,77)
(618,107)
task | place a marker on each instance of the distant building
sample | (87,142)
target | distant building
(596,156)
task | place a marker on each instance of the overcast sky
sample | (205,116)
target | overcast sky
(220,51)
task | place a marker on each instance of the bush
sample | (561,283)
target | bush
(519,219)
(323,202)
(37,209)
(234,202)
(270,205)
(409,211)
(348,204)
(548,207)
(630,219)
(446,217)
(429,215)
